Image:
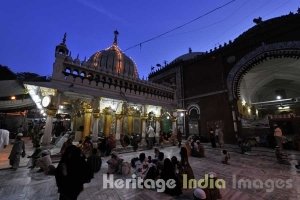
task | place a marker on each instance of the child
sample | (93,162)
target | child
(226,157)
(149,159)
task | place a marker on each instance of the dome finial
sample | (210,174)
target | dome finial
(116,33)
(65,38)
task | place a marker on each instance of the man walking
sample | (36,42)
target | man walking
(278,136)
(179,137)
(17,151)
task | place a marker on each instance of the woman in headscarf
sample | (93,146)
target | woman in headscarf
(184,165)
(71,173)
(114,164)
(168,173)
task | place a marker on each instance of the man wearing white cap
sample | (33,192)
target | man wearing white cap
(44,161)
(17,151)
(199,194)
(4,138)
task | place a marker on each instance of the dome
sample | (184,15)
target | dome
(113,60)
(188,56)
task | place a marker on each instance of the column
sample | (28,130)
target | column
(72,124)
(130,124)
(46,138)
(107,124)
(174,125)
(143,142)
(118,129)
(87,120)
(157,130)
(95,129)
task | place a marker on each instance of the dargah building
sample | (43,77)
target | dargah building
(102,96)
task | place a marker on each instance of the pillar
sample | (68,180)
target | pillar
(118,128)
(174,125)
(157,130)
(130,124)
(87,120)
(46,139)
(72,124)
(95,129)
(107,124)
(144,127)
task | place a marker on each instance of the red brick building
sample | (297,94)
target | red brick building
(241,85)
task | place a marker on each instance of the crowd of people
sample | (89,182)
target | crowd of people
(163,168)
(79,162)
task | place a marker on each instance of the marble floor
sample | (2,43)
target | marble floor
(260,165)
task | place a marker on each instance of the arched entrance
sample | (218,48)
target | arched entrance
(264,89)
(166,123)
(193,119)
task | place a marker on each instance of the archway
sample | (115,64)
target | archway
(166,123)
(264,88)
(193,119)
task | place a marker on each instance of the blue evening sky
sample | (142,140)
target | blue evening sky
(31,29)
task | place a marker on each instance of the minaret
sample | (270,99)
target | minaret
(116,33)
(62,48)
(61,54)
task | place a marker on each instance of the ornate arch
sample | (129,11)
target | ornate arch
(193,107)
(286,49)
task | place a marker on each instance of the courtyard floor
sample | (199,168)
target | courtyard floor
(260,167)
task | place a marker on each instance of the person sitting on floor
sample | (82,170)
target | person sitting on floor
(114,163)
(44,162)
(149,159)
(152,172)
(160,161)
(198,150)
(34,156)
(141,166)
